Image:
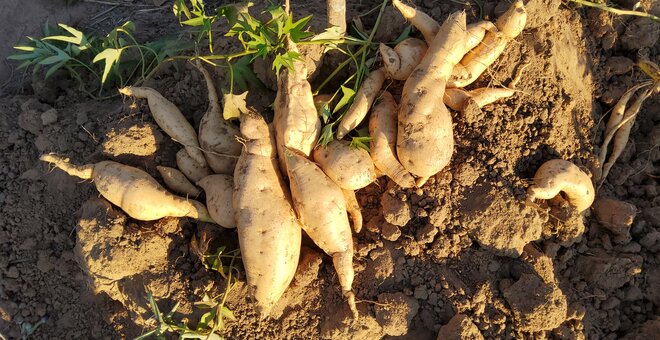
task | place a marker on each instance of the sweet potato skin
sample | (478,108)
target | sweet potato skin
(558,175)
(268,230)
(189,167)
(364,98)
(177,181)
(351,168)
(219,191)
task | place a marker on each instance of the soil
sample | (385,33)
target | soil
(464,256)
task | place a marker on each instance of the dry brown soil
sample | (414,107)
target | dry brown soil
(462,256)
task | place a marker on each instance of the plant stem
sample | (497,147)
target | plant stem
(604,7)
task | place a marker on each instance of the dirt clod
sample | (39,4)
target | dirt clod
(536,305)
(395,311)
(459,327)
(395,210)
(617,217)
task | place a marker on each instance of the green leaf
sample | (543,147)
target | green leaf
(198,21)
(25,48)
(285,59)
(54,68)
(77,37)
(347,96)
(180,9)
(295,30)
(361,142)
(325,113)
(23,56)
(227,313)
(111,56)
(326,135)
(333,33)
(243,74)
(234,104)
(229,12)
(404,35)
(206,319)
(55,59)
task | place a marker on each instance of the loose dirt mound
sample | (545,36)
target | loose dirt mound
(454,256)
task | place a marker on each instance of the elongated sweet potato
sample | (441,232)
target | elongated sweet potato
(268,230)
(422,21)
(476,61)
(322,212)
(425,140)
(219,191)
(170,119)
(457,99)
(177,181)
(296,121)
(382,129)
(400,61)
(132,190)
(362,102)
(217,137)
(351,168)
(190,167)
(353,208)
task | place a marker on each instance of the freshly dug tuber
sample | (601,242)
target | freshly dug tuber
(400,61)
(170,119)
(362,102)
(322,212)
(177,181)
(217,137)
(556,176)
(219,191)
(190,167)
(457,99)
(425,140)
(132,190)
(383,131)
(297,123)
(353,208)
(422,21)
(351,168)
(268,230)
(477,60)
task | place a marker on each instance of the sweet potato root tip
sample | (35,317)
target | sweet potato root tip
(558,175)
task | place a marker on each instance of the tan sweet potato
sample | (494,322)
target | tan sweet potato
(400,61)
(170,119)
(362,102)
(217,137)
(353,208)
(383,131)
(219,191)
(133,190)
(177,181)
(322,212)
(268,230)
(457,99)
(422,21)
(351,168)
(558,175)
(190,167)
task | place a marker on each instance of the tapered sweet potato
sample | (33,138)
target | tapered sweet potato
(297,123)
(217,137)
(558,175)
(322,212)
(400,61)
(133,190)
(425,139)
(268,230)
(219,191)
(351,168)
(382,129)
(422,21)
(362,102)
(457,99)
(170,119)
(177,181)
(190,167)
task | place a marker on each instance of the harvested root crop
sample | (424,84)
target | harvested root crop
(362,102)
(457,99)
(422,21)
(383,131)
(353,208)
(217,137)
(322,212)
(559,176)
(475,62)
(177,181)
(425,139)
(296,121)
(621,130)
(170,119)
(219,191)
(400,61)
(351,168)
(132,190)
(189,167)
(268,230)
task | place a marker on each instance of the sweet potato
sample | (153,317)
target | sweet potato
(219,194)
(382,129)
(217,137)
(177,181)
(362,102)
(400,61)
(422,21)
(351,168)
(475,62)
(133,190)
(558,175)
(425,139)
(353,208)
(322,212)
(190,167)
(268,230)
(457,98)
(296,120)
(170,119)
